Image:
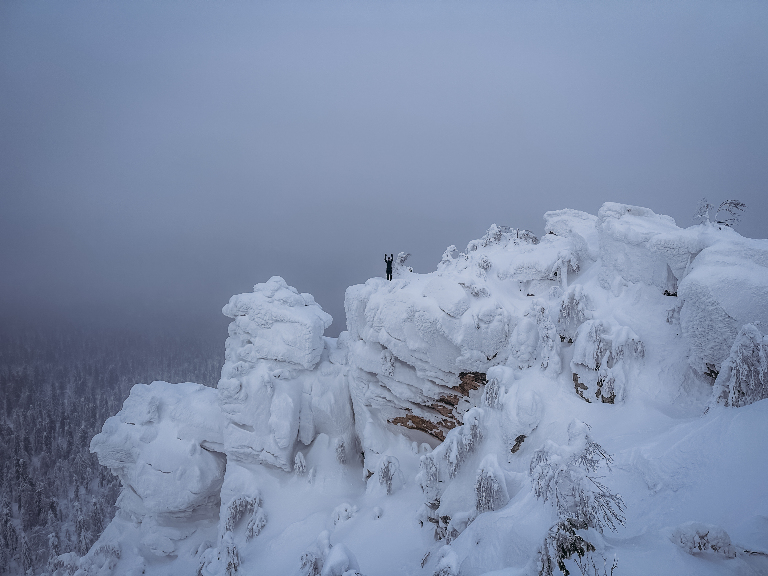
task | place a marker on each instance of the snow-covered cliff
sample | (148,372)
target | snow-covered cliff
(531,395)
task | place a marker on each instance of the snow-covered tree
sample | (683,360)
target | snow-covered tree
(341,451)
(399,268)
(229,554)
(245,506)
(447,562)
(561,543)
(567,477)
(25,553)
(490,486)
(448,457)
(743,377)
(299,464)
(549,353)
(731,212)
(492,394)
(574,310)
(702,211)
(389,473)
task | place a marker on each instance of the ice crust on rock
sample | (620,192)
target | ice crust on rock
(409,438)
(726,287)
(278,385)
(157,446)
(275,322)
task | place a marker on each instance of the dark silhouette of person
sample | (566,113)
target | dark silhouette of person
(389,265)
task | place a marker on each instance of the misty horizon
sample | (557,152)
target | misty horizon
(156,159)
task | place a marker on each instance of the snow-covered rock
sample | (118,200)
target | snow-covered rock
(161,445)
(725,288)
(458,387)
(277,384)
(275,322)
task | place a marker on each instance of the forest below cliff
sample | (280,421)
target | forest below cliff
(57,387)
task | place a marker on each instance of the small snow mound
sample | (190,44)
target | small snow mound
(694,537)
(450,297)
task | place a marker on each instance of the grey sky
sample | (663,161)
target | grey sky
(157,157)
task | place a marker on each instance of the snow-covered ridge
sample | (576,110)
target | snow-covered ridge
(437,434)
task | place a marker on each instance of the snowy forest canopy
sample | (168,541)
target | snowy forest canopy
(57,386)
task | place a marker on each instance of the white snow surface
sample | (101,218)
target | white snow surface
(402,469)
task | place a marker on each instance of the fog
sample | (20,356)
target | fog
(156,158)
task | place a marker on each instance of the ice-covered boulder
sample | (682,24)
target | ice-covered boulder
(638,245)
(162,447)
(275,322)
(579,227)
(726,287)
(277,384)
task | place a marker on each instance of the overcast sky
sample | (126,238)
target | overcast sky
(157,157)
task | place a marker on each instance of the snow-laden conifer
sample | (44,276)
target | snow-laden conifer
(574,310)
(299,464)
(490,486)
(731,212)
(242,506)
(567,477)
(743,377)
(703,209)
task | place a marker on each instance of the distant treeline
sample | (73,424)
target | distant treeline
(57,387)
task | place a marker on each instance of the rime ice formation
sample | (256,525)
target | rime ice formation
(530,396)
(275,385)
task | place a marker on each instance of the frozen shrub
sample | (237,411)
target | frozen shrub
(242,506)
(492,394)
(429,477)
(322,558)
(387,363)
(230,556)
(460,445)
(743,377)
(574,311)
(731,210)
(548,348)
(475,290)
(694,537)
(399,266)
(341,452)
(311,564)
(448,256)
(702,211)
(448,457)
(560,544)
(299,464)
(565,475)
(64,564)
(494,235)
(490,486)
(388,473)
(602,356)
(255,524)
